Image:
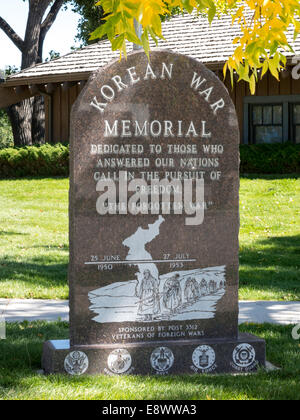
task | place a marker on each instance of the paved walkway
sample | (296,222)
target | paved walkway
(51,310)
(34,309)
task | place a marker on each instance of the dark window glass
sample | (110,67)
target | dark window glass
(268,115)
(297,114)
(296,122)
(267,121)
(257,115)
(268,134)
(297,134)
(277,114)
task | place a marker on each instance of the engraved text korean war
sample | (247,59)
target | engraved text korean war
(154,222)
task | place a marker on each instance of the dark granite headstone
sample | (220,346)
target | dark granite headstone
(153,284)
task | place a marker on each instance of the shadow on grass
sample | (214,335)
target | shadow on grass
(272,264)
(4,233)
(20,356)
(39,272)
(270,176)
(23,345)
(242,175)
(47,247)
(34,178)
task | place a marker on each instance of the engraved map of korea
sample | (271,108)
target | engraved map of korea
(176,296)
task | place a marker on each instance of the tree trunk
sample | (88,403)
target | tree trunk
(30,57)
(28,117)
(38,120)
(20,116)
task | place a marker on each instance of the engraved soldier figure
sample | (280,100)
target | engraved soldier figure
(191,290)
(203,287)
(148,293)
(172,293)
(211,286)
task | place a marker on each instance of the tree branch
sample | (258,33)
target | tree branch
(8,30)
(50,18)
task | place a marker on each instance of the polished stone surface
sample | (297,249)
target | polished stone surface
(145,285)
(242,355)
(197,287)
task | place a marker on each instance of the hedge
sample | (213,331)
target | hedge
(270,158)
(53,160)
(45,160)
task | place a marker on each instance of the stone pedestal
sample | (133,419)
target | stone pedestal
(154,224)
(242,355)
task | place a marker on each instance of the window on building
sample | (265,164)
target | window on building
(296,122)
(267,123)
(272,119)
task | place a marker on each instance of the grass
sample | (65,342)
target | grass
(270,238)
(34,239)
(20,356)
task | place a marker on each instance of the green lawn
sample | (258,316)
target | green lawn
(270,239)
(34,239)
(20,357)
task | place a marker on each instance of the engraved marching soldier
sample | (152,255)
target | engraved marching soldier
(172,293)
(203,287)
(148,293)
(211,286)
(191,290)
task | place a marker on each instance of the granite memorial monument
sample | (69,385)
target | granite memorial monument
(154,224)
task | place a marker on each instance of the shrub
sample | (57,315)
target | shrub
(53,160)
(45,160)
(270,158)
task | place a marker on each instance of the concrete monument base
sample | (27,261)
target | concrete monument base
(242,355)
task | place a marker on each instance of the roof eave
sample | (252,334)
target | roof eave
(80,76)
(49,78)
(70,77)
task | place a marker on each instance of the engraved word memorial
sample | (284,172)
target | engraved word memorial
(154,224)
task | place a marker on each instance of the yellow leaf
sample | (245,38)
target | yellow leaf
(225,70)
(273,66)
(252,84)
(263,33)
(265,68)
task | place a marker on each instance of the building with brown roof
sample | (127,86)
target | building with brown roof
(272,115)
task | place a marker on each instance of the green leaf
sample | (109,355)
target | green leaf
(187,6)
(251,48)
(117,42)
(274,47)
(153,36)
(116,5)
(243,72)
(212,12)
(114,19)
(145,42)
(132,6)
(131,37)
(100,31)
